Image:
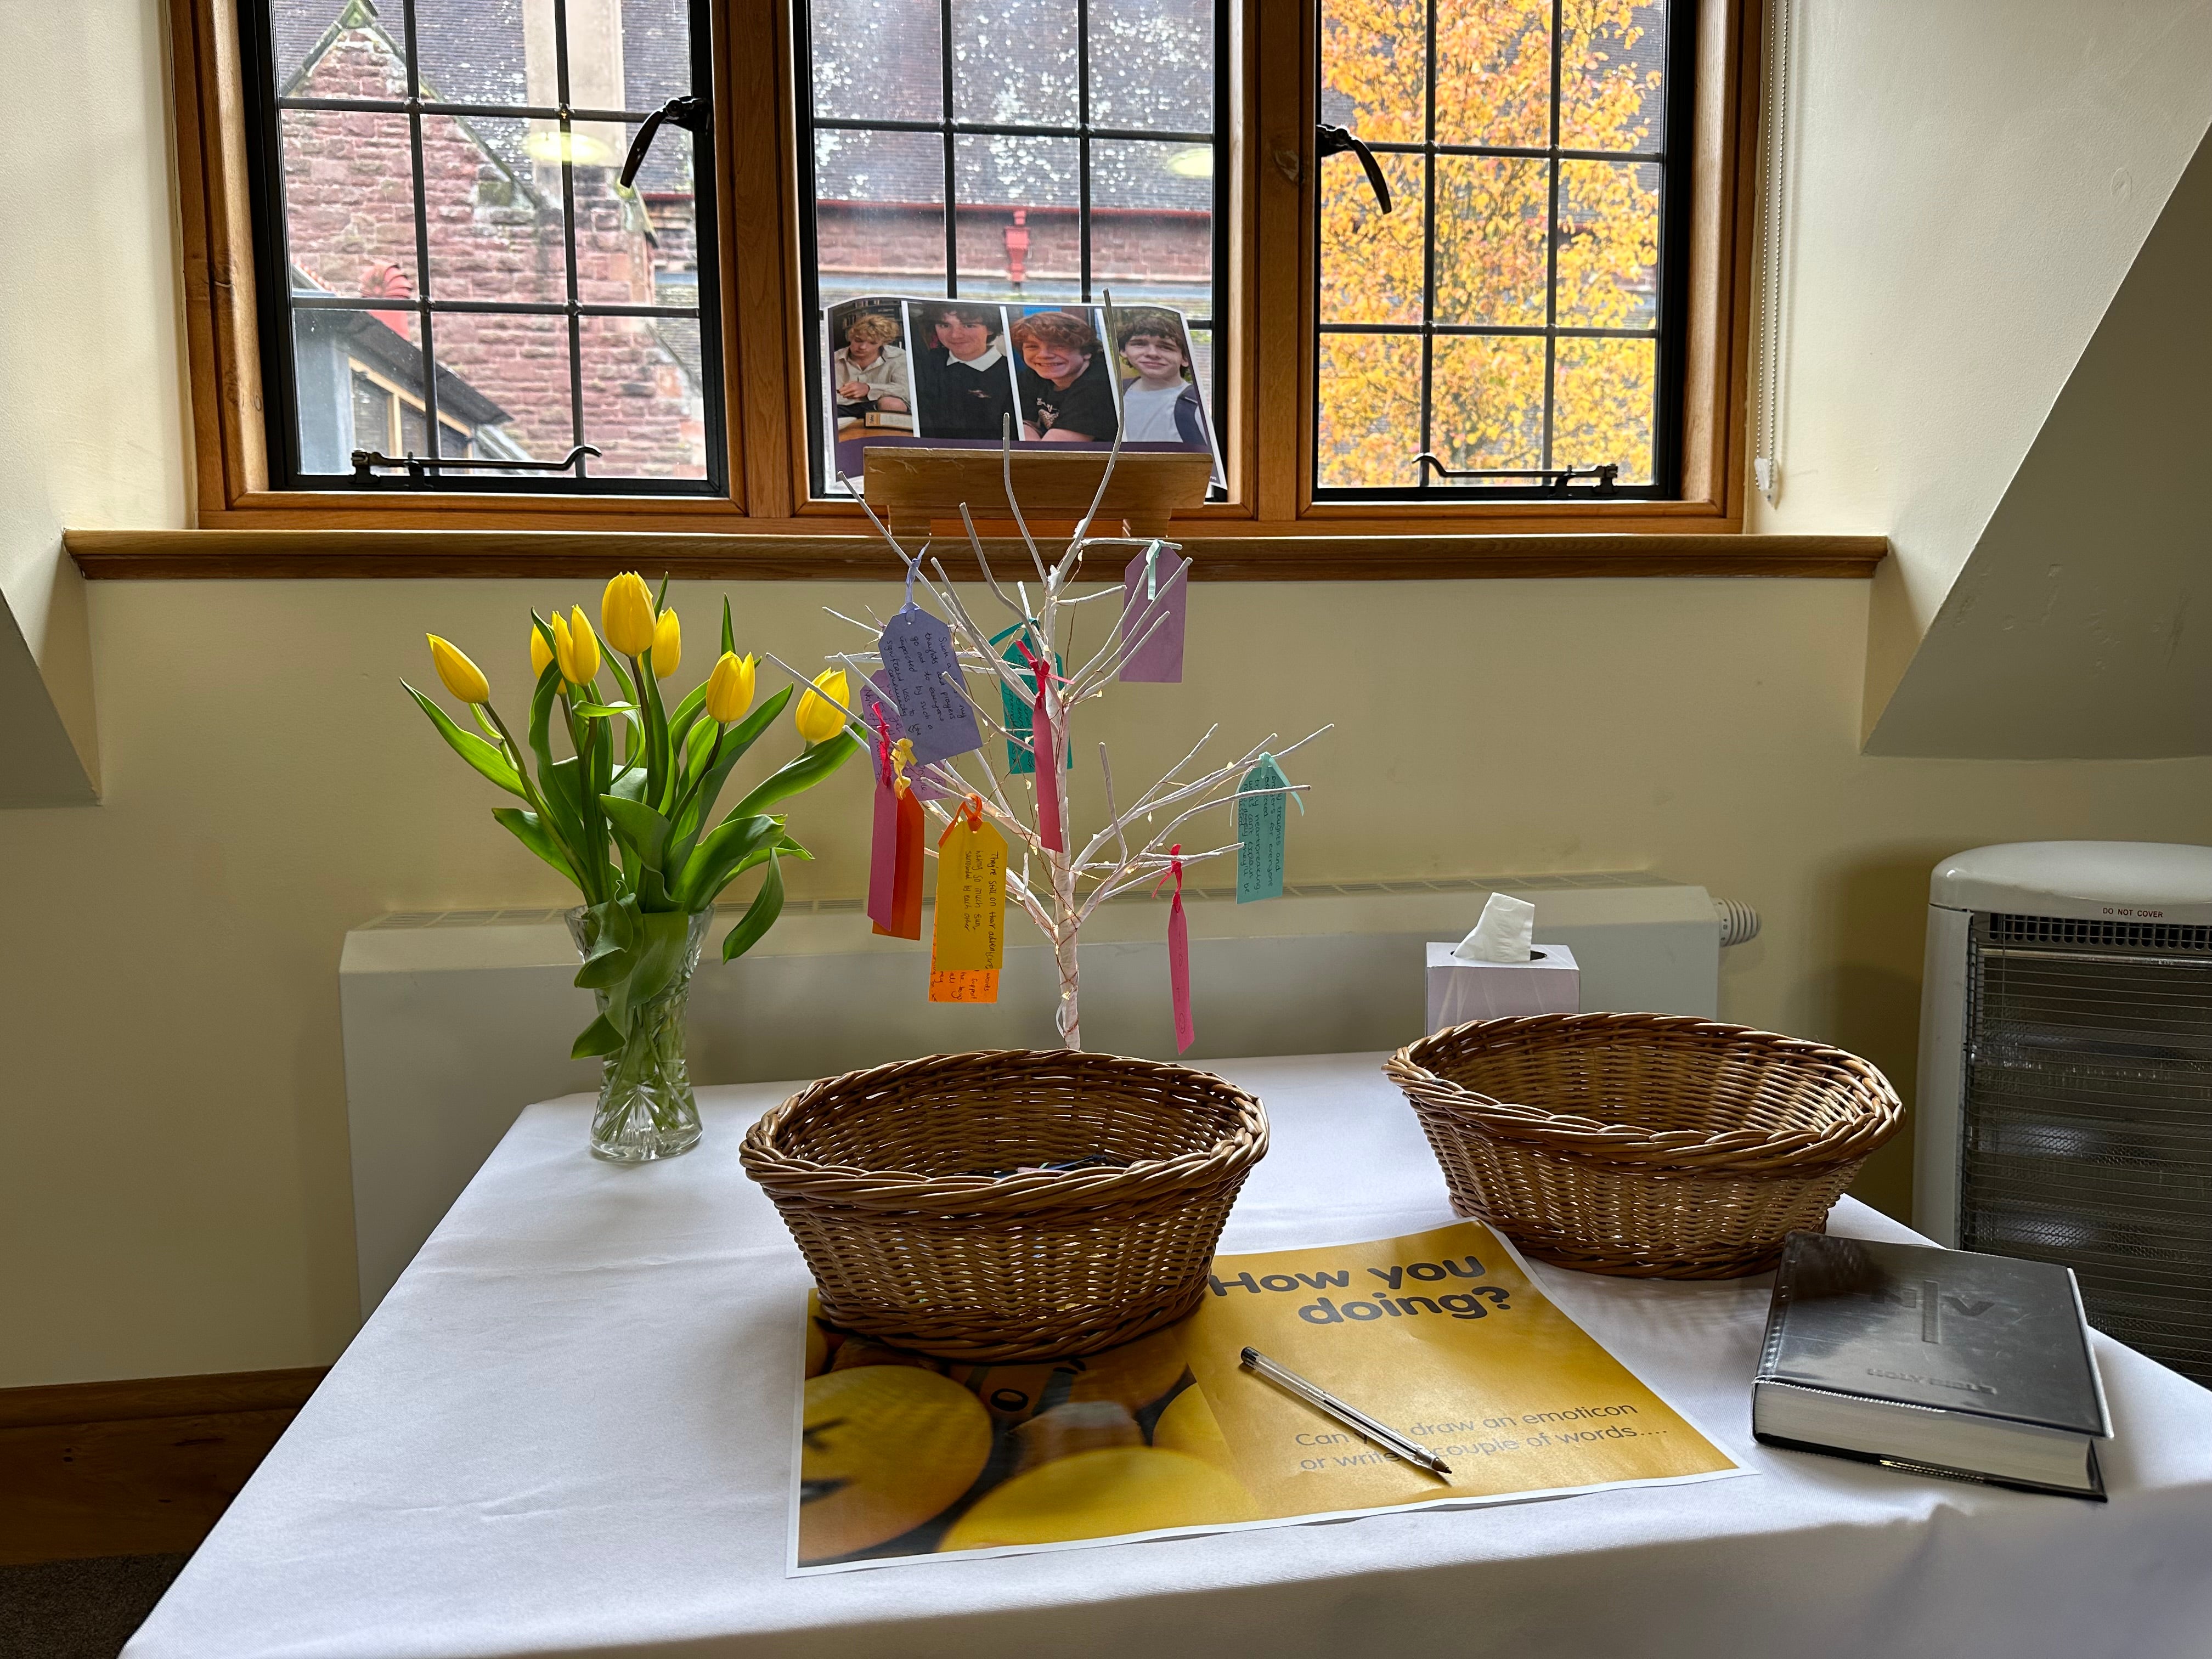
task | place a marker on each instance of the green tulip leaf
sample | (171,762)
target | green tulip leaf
(708,869)
(605,710)
(686,714)
(638,828)
(531,833)
(760,916)
(603,969)
(818,761)
(735,741)
(487,757)
(599,1037)
(729,634)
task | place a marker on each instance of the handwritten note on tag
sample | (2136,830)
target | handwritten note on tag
(1155,591)
(1261,823)
(967,946)
(917,654)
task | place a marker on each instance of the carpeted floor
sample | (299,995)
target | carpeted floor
(79,1609)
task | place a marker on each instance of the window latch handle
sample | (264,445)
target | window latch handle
(689,112)
(1335,141)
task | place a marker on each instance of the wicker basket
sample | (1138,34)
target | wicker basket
(1654,1145)
(884,1177)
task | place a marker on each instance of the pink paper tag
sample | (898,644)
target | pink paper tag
(1179,961)
(883,845)
(1155,587)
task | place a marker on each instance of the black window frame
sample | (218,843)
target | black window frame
(1670,328)
(263,104)
(1218,325)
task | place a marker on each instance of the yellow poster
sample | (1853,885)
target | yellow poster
(1440,1336)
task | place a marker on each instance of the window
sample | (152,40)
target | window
(1513,313)
(406,237)
(444,243)
(1038,150)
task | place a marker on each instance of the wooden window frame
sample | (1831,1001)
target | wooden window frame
(765,525)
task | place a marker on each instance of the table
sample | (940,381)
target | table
(568,1429)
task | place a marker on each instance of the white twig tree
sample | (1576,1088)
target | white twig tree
(1061,887)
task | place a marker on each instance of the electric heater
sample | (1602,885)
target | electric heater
(2065,1103)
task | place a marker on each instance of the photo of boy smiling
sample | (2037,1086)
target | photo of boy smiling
(1158,402)
(1066,393)
(966,384)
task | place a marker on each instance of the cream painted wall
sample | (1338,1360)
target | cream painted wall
(1968,184)
(174,1198)
(2069,632)
(89,428)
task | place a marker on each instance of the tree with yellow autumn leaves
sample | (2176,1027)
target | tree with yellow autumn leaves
(1493,236)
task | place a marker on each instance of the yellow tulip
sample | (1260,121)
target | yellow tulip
(730,688)
(462,677)
(667,645)
(540,652)
(817,718)
(626,614)
(578,648)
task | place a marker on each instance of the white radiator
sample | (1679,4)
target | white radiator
(454,1021)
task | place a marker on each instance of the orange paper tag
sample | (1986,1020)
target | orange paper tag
(969,943)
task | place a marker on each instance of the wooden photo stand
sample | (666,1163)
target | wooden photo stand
(910,488)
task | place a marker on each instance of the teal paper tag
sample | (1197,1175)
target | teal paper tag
(1020,711)
(1261,823)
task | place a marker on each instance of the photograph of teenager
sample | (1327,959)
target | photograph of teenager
(1160,402)
(868,373)
(1067,396)
(967,387)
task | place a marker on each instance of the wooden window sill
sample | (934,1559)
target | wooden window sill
(1221,555)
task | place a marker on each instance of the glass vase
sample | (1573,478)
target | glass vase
(646,1108)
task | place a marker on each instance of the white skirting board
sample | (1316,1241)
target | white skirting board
(456,1021)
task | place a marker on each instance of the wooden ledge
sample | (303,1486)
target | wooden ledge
(292,555)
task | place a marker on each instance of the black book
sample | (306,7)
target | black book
(1942,1362)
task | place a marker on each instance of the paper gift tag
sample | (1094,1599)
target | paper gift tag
(968,945)
(1155,590)
(1179,957)
(894,854)
(1261,822)
(1014,708)
(917,654)
(906,892)
(883,852)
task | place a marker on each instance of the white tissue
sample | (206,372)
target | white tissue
(1503,934)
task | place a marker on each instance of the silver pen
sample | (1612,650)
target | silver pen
(1351,1416)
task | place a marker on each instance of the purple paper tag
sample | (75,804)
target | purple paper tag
(1154,591)
(918,657)
(876,709)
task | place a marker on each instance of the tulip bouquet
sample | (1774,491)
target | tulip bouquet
(631,818)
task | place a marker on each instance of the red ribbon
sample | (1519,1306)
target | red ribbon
(882,742)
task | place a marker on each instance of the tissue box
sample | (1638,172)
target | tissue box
(1462,991)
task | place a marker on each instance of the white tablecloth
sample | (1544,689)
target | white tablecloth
(568,1429)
